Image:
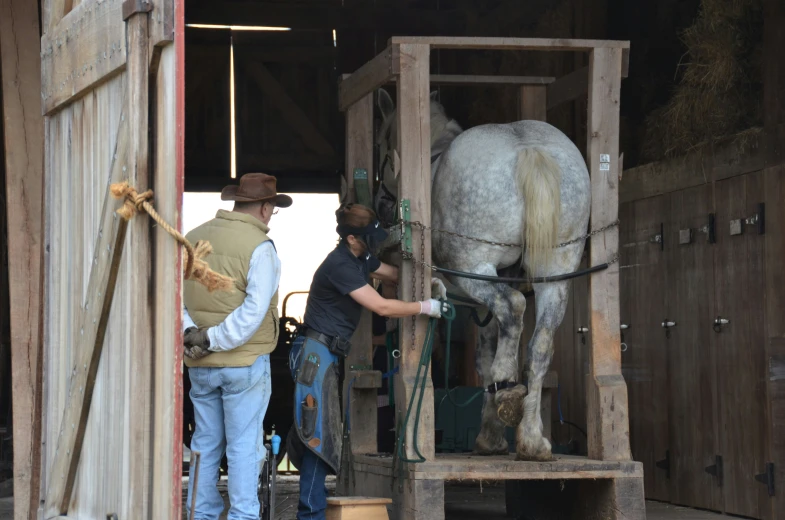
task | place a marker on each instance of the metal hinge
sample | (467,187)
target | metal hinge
(131,7)
(709,229)
(665,464)
(767,478)
(716,469)
(758,220)
(406,228)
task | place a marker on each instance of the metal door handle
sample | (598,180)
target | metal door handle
(668,324)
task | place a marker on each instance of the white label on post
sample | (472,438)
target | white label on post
(605,167)
(604,157)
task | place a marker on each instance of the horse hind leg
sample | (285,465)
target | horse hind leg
(490,440)
(551,303)
(508,306)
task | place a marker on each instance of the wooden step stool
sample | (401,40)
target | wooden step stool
(357,508)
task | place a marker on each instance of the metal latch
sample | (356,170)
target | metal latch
(667,324)
(758,220)
(709,230)
(583,331)
(719,321)
(659,238)
(767,478)
(716,469)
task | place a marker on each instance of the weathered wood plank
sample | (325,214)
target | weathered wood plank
(368,78)
(692,369)
(23,136)
(87,47)
(414,185)
(168,178)
(139,272)
(292,113)
(521,44)
(607,412)
(93,319)
(726,160)
(359,154)
(161,23)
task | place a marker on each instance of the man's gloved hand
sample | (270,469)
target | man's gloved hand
(196,343)
(438,290)
(433,308)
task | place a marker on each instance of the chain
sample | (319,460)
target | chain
(504,244)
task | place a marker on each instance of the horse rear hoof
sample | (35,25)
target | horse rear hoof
(510,405)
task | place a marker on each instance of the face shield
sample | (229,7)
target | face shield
(373,234)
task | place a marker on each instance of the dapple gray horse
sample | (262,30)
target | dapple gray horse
(517,184)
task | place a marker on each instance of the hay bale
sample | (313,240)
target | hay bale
(718,94)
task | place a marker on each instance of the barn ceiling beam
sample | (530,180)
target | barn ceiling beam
(576,84)
(290,110)
(318,16)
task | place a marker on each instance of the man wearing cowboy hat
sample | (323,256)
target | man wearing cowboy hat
(228,340)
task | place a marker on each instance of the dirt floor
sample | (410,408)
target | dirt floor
(461,503)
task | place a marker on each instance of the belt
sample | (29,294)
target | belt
(335,344)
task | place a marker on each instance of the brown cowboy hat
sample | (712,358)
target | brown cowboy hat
(256,187)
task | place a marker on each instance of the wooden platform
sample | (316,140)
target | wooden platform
(459,466)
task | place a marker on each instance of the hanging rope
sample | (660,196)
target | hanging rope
(195,268)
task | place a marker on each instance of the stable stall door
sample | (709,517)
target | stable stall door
(739,339)
(643,274)
(692,386)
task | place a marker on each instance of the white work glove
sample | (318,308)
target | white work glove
(433,308)
(438,290)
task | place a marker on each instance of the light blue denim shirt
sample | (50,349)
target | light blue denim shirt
(264,275)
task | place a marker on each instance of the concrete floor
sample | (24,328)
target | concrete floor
(461,503)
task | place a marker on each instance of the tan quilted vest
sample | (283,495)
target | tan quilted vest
(234,236)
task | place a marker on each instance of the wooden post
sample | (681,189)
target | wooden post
(359,154)
(139,245)
(421,499)
(532,103)
(24,148)
(607,411)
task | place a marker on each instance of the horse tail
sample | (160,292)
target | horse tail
(539,183)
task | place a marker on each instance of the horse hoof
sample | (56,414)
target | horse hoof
(485,447)
(538,451)
(509,404)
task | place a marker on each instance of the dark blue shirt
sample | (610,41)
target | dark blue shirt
(330,310)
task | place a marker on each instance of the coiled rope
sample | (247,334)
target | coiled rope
(195,267)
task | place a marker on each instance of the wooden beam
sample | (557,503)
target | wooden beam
(368,78)
(532,102)
(723,161)
(421,499)
(608,425)
(359,154)
(168,178)
(140,438)
(86,48)
(323,16)
(521,44)
(161,23)
(575,84)
(292,113)
(23,137)
(93,319)
(470,80)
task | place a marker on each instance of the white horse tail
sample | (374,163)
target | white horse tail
(539,183)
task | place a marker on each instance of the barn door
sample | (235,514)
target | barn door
(740,343)
(108,94)
(692,361)
(644,358)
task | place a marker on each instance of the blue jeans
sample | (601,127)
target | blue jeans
(313,492)
(229,408)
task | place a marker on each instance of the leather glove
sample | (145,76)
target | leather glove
(196,343)
(438,290)
(433,308)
